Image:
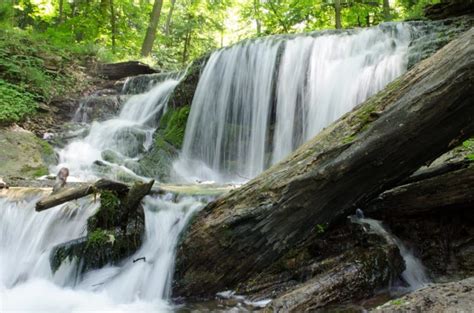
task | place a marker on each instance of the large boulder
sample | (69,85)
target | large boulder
(23,154)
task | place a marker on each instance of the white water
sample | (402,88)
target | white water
(414,274)
(28,285)
(244,117)
(127,136)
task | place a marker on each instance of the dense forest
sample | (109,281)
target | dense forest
(173,32)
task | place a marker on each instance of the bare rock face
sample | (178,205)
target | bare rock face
(437,298)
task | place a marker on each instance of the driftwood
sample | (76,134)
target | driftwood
(124,69)
(453,189)
(69,194)
(426,112)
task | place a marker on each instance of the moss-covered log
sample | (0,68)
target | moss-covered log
(415,119)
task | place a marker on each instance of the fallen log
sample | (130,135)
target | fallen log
(69,194)
(121,70)
(434,171)
(423,114)
(453,189)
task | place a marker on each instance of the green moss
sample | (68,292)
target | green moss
(468,147)
(107,213)
(40,172)
(173,125)
(397,302)
(97,238)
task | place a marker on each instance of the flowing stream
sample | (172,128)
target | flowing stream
(27,283)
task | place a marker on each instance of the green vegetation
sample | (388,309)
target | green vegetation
(33,70)
(468,146)
(15,103)
(107,213)
(172,32)
(173,125)
(97,238)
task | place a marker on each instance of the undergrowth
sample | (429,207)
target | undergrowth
(35,69)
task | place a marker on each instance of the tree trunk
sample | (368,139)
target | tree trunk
(337,12)
(446,191)
(61,12)
(168,18)
(151,30)
(121,70)
(349,163)
(79,192)
(113,25)
(187,42)
(256,8)
(386,10)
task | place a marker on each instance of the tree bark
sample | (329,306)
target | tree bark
(124,69)
(168,18)
(337,12)
(113,25)
(344,167)
(386,10)
(151,30)
(79,192)
(449,190)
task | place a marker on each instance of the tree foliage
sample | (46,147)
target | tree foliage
(188,28)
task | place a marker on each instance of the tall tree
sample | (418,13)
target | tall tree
(113,25)
(337,11)
(151,30)
(386,10)
(256,7)
(168,18)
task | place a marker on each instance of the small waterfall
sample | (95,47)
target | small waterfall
(27,238)
(259,100)
(414,274)
(124,137)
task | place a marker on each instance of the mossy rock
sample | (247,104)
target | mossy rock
(114,232)
(168,139)
(23,154)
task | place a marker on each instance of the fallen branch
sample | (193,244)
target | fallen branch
(79,192)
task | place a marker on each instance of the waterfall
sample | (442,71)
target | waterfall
(414,274)
(123,138)
(27,238)
(259,100)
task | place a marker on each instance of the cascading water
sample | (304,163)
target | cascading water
(259,100)
(414,274)
(124,137)
(27,238)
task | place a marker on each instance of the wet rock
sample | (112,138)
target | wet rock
(359,277)
(449,297)
(168,139)
(102,105)
(113,233)
(129,141)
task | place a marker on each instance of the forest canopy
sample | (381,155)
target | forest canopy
(170,33)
